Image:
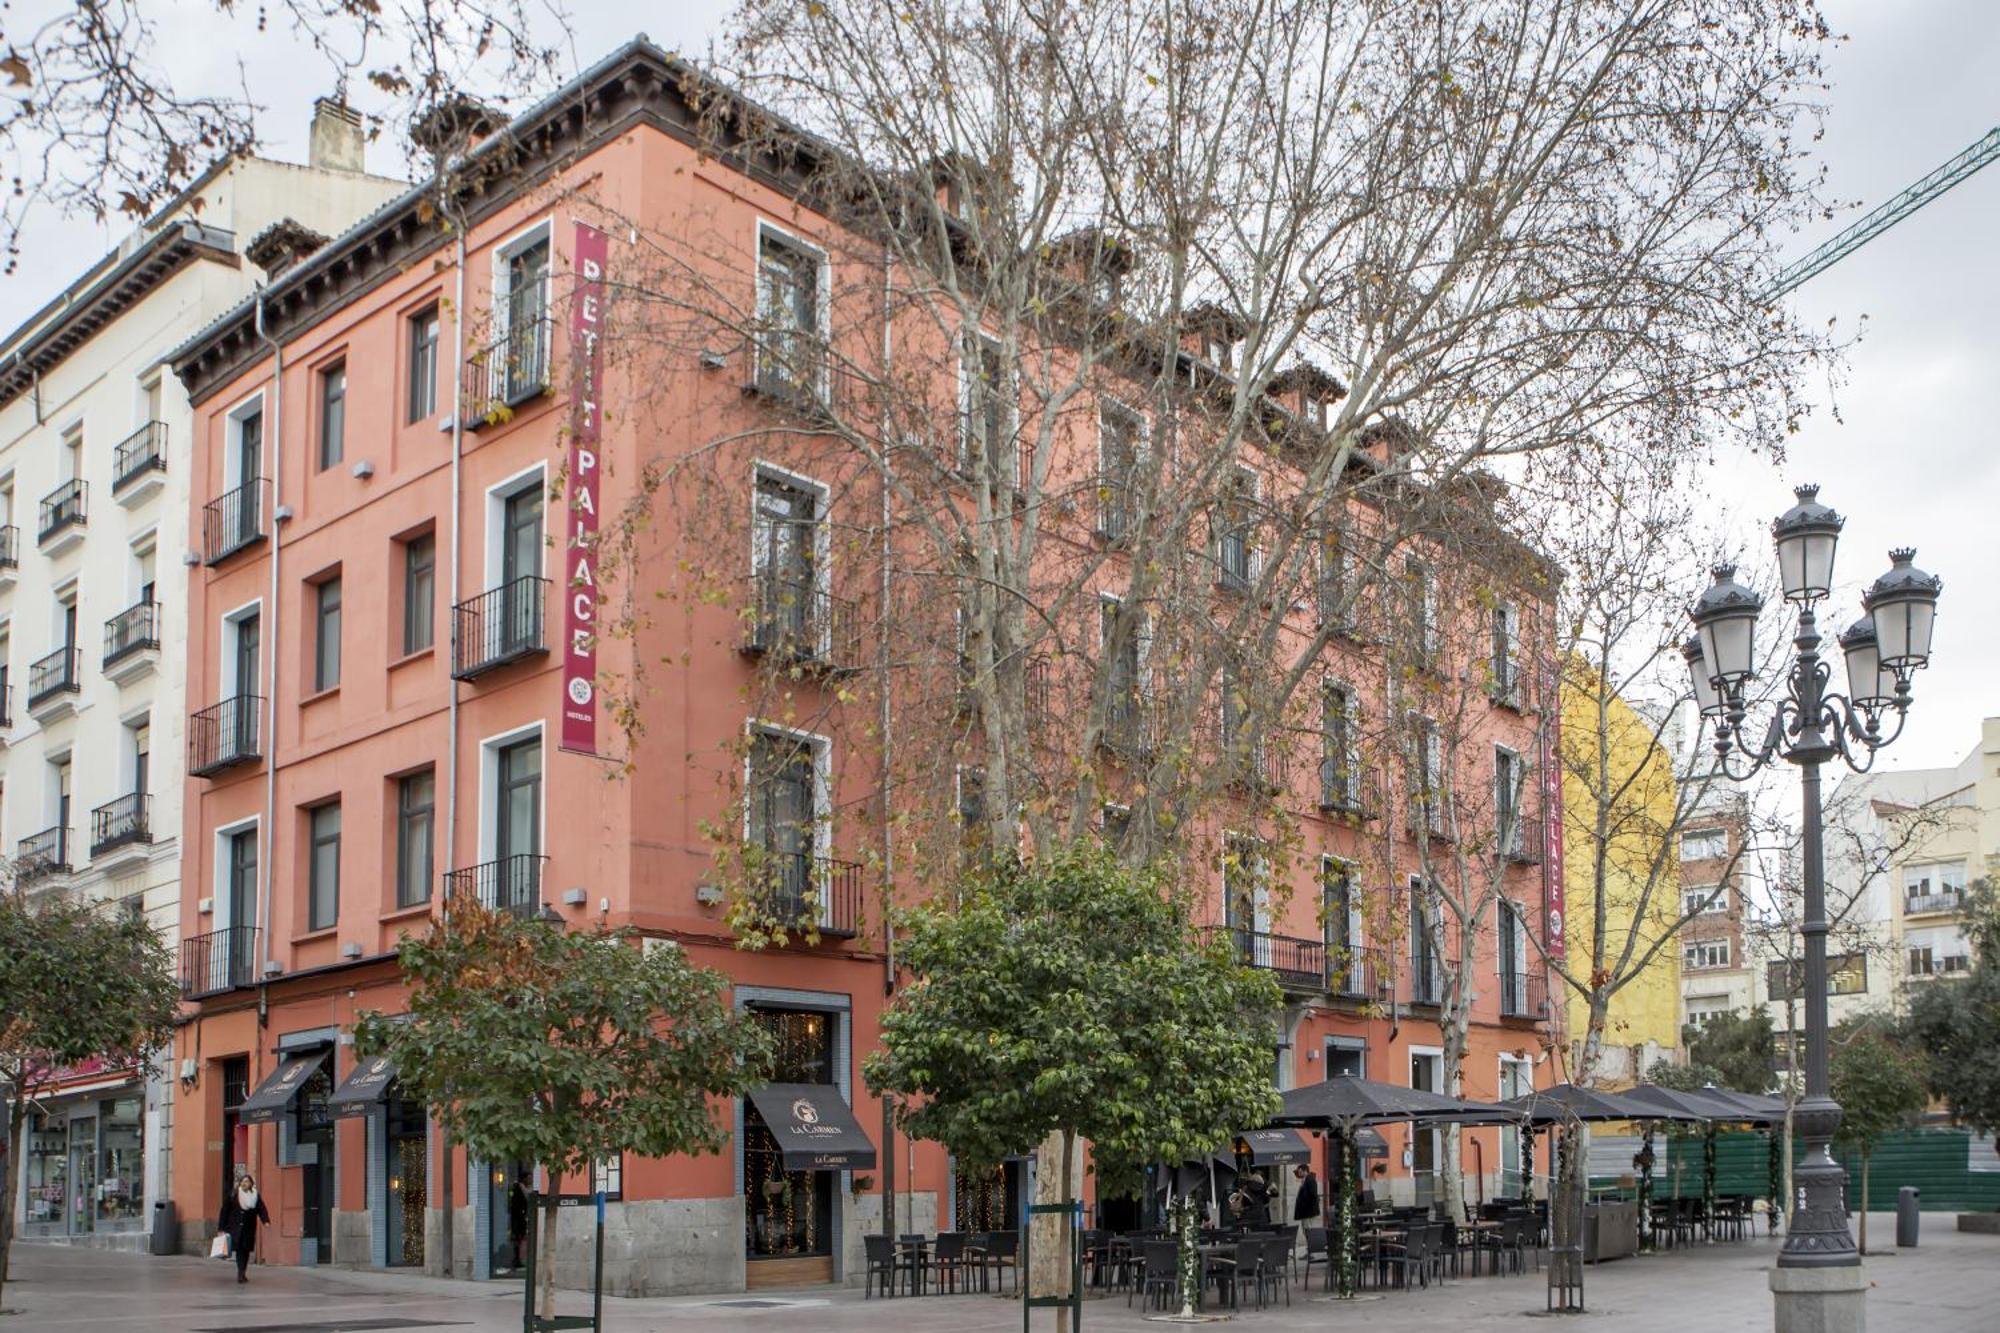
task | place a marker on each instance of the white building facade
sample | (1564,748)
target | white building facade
(94,519)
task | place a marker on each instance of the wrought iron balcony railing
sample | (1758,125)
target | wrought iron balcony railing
(1521,838)
(132,630)
(41,855)
(1524,994)
(1426,981)
(1950,900)
(6,697)
(143,451)
(509,371)
(121,823)
(801,889)
(219,961)
(58,673)
(501,625)
(1357,972)
(10,547)
(796,621)
(1297,962)
(506,884)
(63,508)
(234,520)
(225,735)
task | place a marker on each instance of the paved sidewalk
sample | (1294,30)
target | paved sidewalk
(1951,1284)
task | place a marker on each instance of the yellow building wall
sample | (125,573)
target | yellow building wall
(1642,847)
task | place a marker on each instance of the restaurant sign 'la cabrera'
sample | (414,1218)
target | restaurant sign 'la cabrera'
(815,1129)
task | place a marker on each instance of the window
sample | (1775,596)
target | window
(1509,779)
(416,800)
(1705,953)
(1426,968)
(1115,821)
(1704,900)
(1340,765)
(787,527)
(989,423)
(1427,782)
(323,874)
(1233,707)
(140,734)
(1846,974)
(973,832)
(1932,888)
(1507,654)
(1709,844)
(1246,896)
(1120,437)
(326,633)
(1340,924)
(1700,1014)
(424,331)
(1421,591)
(419,592)
(518,363)
(332,414)
(785,815)
(1232,530)
(1124,721)
(788,299)
(1336,580)
(239,881)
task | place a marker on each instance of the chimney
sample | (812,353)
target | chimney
(281,245)
(337,142)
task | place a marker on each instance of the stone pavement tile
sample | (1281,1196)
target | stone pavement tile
(1950,1284)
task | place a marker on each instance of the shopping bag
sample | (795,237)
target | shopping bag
(219,1247)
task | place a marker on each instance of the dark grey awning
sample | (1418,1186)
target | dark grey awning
(1274,1147)
(814,1126)
(274,1096)
(365,1088)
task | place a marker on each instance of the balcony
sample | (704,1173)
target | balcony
(508,372)
(795,622)
(801,890)
(62,517)
(139,465)
(120,831)
(222,960)
(1524,995)
(1426,982)
(1344,792)
(498,627)
(1357,975)
(225,736)
(132,642)
(42,856)
(1521,839)
(1128,729)
(1923,965)
(508,884)
(53,682)
(1296,962)
(1510,686)
(1426,817)
(10,555)
(6,699)
(1946,902)
(234,521)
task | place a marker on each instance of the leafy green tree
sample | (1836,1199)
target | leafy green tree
(1956,1022)
(1067,1000)
(1734,1050)
(1878,1079)
(76,980)
(563,1048)
(1688,1077)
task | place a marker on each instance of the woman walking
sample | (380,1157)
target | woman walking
(241,1212)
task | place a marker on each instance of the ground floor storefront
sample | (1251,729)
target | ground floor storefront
(88,1155)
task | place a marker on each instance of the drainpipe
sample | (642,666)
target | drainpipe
(885,720)
(272,635)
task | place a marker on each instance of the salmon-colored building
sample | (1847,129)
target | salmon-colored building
(390,701)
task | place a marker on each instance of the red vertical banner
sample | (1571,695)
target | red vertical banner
(1555,920)
(586,327)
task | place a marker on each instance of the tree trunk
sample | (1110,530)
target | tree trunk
(444,1257)
(547,1252)
(17,1120)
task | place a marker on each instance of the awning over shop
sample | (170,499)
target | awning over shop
(814,1127)
(274,1096)
(365,1088)
(1274,1147)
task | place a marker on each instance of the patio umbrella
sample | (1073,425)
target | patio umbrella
(1345,1105)
(1566,1102)
(1768,1114)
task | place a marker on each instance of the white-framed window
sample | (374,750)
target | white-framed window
(242,650)
(1699,954)
(1246,887)
(517,362)
(512,819)
(1340,759)
(1704,900)
(791,313)
(1341,925)
(1506,664)
(1233,530)
(788,812)
(1938,885)
(1121,448)
(243,437)
(987,410)
(790,558)
(1420,593)
(234,903)
(1428,794)
(515,525)
(1708,844)
(1336,578)
(1704,1011)
(1510,782)
(1130,679)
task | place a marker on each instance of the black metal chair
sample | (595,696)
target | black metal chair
(1002,1249)
(1159,1276)
(1274,1274)
(886,1267)
(1318,1252)
(949,1260)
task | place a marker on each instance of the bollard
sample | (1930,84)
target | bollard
(1906,1217)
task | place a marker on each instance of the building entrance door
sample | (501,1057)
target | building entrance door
(82,1174)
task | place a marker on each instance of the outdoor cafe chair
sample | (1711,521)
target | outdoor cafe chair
(1318,1252)
(949,1260)
(886,1267)
(1273,1273)
(1001,1251)
(1159,1282)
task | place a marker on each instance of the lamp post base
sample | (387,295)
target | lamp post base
(1820,1300)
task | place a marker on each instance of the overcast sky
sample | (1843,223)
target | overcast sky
(1912,456)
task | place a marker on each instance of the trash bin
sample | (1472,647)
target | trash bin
(1906,1217)
(166,1228)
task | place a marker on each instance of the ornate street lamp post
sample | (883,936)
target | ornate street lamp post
(1810,726)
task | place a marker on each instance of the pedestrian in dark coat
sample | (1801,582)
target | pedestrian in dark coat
(1305,1208)
(241,1212)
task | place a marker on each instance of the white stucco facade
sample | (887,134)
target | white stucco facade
(94,499)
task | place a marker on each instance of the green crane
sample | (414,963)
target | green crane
(1887,215)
